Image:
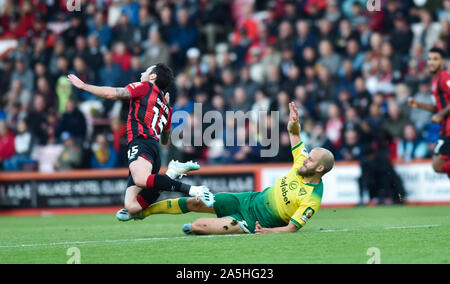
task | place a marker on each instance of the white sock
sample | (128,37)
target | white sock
(194,190)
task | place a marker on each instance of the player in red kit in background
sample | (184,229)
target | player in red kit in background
(440,89)
(149,121)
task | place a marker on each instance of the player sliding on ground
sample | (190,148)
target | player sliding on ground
(149,120)
(285,207)
(440,88)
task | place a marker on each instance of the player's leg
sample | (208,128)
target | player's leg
(438,163)
(131,201)
(225,204)
(177,206)
(441,157)
(217,226)
(149,181)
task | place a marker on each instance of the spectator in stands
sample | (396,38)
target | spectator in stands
(94,53)
(71,156)
(240,101)
(328,58)
(124,31)
(82,71)
(421,118)
(182,37)
(6,142)
(110,74)
(228,85)
(426,32)
(17,94)
(23,74)
(402,35)
(411,146)
(246,82)
(261,104)
(281,105)
(23,145)
(155,49)
(37,119)
(63,90)
(352,149)
(72,121)
(334,125)
(119,140)
(101,30)
(103,154)
(396,121)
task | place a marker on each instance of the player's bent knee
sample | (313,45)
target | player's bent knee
(140,181)
(133,207)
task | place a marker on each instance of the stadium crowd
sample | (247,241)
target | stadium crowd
(349,70)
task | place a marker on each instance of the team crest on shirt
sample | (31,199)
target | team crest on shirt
(448,83)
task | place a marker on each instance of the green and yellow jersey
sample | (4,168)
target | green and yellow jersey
(291,198)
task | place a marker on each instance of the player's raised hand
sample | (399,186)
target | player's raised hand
(76,81)
(167,97)
(293,112)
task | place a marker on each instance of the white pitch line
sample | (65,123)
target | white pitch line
(412,227)
(186,237)
(111,241)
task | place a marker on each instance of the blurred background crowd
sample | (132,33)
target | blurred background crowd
(349,70)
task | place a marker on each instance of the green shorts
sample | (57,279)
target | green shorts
(237,206)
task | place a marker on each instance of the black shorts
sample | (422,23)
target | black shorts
(149,150)
(442,146)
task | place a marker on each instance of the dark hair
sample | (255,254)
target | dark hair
(438,50)
(164,75)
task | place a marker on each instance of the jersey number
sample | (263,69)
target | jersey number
(132,152)
(162,122)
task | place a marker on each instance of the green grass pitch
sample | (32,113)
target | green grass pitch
(401,234)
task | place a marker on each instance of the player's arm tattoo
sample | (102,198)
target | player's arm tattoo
(122,94)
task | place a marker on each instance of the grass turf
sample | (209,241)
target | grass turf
(402,234)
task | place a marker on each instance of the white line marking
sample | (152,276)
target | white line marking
(112,241)
(412,227)
(188,237)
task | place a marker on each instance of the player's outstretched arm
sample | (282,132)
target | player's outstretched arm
(293,125)
(290,228)
(108,93)
(416,104)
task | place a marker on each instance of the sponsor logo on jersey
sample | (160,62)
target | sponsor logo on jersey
(309,212)
(284,191)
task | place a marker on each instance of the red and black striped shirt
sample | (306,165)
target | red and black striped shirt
(149,113)
(440,88)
